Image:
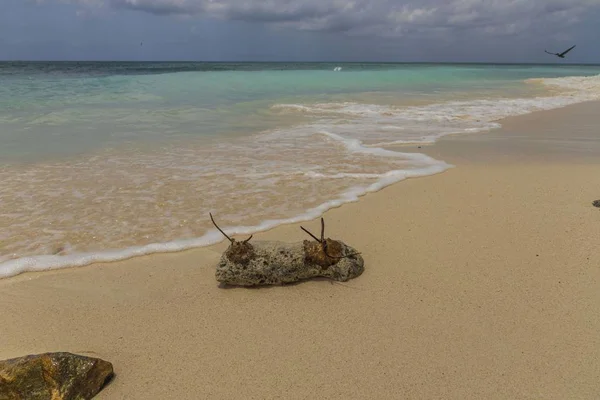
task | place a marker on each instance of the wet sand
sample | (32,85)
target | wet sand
(482,282)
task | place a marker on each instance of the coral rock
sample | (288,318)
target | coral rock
(275,263)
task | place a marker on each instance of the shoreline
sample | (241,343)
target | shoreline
(212,237)
(481,282)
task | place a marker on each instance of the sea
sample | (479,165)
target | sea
(103,161)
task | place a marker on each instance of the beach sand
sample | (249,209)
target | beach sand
(482,282)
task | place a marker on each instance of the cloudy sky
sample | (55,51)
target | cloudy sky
(294,30)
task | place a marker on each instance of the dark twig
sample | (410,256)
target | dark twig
(323,242)
(224,234)
(220,230)
(311,235)
(322,230)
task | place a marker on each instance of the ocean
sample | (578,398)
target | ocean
(106,161)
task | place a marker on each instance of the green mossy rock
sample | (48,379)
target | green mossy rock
(53,376)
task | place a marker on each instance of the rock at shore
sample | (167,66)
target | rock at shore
(596,203)
(53,376)
(276,263)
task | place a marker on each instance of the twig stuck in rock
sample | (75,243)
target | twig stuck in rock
(325,243)
(220,230)
(313,236)
(224,234)
(240,252)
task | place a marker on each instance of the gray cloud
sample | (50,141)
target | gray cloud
(159,7)
(377,17)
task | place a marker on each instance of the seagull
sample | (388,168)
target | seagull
(561,55)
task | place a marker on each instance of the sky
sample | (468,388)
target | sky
(292,30)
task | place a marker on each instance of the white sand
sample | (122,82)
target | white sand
(481,283)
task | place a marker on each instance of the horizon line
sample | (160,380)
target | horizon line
(294,62)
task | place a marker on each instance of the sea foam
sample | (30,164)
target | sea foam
(158,187)
(48,262)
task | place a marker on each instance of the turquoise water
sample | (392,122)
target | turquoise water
(114,159)
(69,108)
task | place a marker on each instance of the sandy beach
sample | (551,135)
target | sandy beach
(482,282)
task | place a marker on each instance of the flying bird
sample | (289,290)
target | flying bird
(561,55)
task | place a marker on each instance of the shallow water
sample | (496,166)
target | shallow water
(107,160)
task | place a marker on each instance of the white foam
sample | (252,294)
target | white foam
(416,165)
(359,129)
(382,125)
(586,86)
(49,262)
